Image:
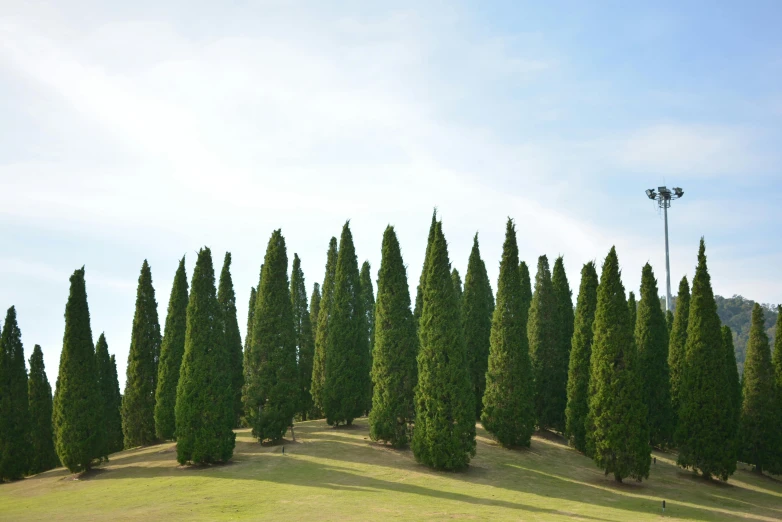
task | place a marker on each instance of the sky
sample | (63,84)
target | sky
(147,130)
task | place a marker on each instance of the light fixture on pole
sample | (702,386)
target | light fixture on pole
(664,196)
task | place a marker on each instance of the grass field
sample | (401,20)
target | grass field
(330,474)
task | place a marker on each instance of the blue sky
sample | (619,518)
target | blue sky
(149,129)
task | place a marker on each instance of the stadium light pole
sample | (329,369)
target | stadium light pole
(664,196)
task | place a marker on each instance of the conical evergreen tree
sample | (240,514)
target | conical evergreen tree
(305,341)
(14,411)
(457,287)
(116,440)
(757,432)
(476,317)
(669,322)
(732,436)
(171,351)
(271,392)
(322,331)
(565,320)
(42,454)
(651,339)
(368,304)
(314,310)
(776,362)
(580,355)
(250,313)
(110,415)
(547,359)
(347,353)
(138,403)
(233,339)
(704,422)
(632,306)
(507,403)
(394,370)
(526,289)
(419,296)
(677,345)
(617,433)
(78,434)
(204,399)
(444,435)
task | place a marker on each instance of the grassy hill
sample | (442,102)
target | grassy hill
(330,474)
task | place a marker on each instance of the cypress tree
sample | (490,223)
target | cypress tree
(444,435)
(314,310)
(42,454)
(368,304)
(547,363)
(617,433)
(526,289)
(734,384)
(77,406)
(758,431)
(457,287)
(651,339)
(114,425)
(271,393)
(233,339)
(565,320)
(322,331)
(14,411)
(347,354)
(669,322)
(632,305)
(580,355)
(776,362)
(110,414)
(419,296)
(204,399)
(305,342)
(250,313)
(476,317)
(677,345)
(138,403)
(704,421)
(507,403)
(394,371)
(171,351)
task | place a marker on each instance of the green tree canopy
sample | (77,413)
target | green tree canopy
(42,454)
(677,346)
(305,341)
(14,410)
(368,305)
(322,331)
(419,296)
(111,415)
(565,320)
(544,345)
(526,289)
(226,297)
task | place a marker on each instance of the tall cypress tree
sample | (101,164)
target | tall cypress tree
(77,405)
(669,322)
(507,403)
(544,345)
(110,415)
(632,306)
(565,319)
(419,296)
(233,339)
(138,403)
(305,342)
(704,422)
(476,317)
(776,362)
(617,432)
(734,384)
(526,289)
(42,454)
(580,356)
(368,304)
(394,371)
(347,354)
(114,435)
(314,310)
(171,351)
(758,430)
(271,392)
(14,412)
(444,435)
(322,331)
(677,346)
(250,312)
(457,287)
(204,399)
(651,338)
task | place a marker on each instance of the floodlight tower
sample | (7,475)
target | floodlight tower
(664,196)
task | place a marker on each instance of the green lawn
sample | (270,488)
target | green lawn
(330,474)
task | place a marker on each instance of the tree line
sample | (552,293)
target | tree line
(424,372)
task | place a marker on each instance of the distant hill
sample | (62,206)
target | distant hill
(736,312)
